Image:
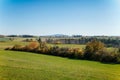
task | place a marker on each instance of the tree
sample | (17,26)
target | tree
(42,44)
(92,48)
(39,40)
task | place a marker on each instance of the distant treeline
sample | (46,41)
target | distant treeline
(25,36)
(108,41)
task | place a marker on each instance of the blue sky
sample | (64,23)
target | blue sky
(46,17)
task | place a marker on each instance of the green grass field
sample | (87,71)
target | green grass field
(29,66)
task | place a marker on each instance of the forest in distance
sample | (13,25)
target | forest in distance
(109,41)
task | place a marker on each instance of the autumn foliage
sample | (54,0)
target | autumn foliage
(94,50)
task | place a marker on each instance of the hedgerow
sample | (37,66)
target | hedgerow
(94,50)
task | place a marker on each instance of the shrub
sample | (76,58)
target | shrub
(8,48)
(108,57)
(45,50)
(78,53)
(31,46)
(54,50)
(118,56)
(17,47)
(42,45)
(92,48)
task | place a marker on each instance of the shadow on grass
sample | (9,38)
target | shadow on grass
(72,58)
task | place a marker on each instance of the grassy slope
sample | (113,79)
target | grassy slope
(29,66)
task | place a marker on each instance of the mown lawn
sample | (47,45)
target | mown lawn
(29,66)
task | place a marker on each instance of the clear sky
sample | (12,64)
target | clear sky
(46,17)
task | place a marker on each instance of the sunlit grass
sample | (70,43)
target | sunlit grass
(30,66)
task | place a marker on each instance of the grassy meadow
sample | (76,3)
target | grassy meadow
(28,66)
(16,65)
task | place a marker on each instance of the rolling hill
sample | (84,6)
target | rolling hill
(29,66)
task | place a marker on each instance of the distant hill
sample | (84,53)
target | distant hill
(60,35)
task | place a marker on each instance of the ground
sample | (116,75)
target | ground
(29,66)
(16,65)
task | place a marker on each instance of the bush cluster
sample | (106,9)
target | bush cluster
(66,52)
(94,50)
(42,48)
